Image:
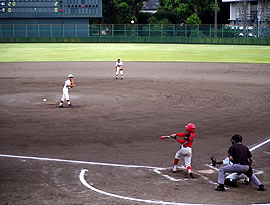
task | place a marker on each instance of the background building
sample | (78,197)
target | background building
(257,11)
(150,6)
(250,17)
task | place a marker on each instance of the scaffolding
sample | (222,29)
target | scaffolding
(263,18)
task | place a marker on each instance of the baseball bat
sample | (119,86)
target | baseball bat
(164,137)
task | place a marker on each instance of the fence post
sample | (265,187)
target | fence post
(125,30)
(173,30)
(149,30)
(161,30)
(1,30)
(76,30)
(222,30)
(51,31)
(198,30)
(13,33)
(210,29)
(113,30)
(63,30)
(185,30)
(26,30)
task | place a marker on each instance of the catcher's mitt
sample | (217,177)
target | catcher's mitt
(214,161)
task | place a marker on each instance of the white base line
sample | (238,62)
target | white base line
(259,145)
(78,162)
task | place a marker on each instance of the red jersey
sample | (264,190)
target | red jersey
(187,139)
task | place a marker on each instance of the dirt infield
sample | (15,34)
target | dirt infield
(119,122)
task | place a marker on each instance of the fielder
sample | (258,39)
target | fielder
(242,160)
(185,150)
(68,84)
(119,67)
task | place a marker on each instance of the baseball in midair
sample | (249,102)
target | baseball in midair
(44,99)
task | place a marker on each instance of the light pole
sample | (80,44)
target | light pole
(215,18)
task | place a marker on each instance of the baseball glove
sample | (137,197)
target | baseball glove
(214,161)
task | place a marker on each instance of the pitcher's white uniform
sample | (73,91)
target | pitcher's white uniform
(119,68)
(65,90)
(68,84)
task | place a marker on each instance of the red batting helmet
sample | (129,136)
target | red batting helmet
(190,127)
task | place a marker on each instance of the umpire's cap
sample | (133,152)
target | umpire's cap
(237,138)
(70,76)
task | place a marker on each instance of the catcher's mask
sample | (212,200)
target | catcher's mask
(237,138)
(190,127)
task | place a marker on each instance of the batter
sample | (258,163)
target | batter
(185,149)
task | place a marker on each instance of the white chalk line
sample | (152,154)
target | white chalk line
(78,162)
(158,171)
(94,163)
(259,145)
(124,197)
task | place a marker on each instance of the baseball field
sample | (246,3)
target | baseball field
(106,148)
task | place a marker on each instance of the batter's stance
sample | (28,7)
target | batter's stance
(119,67)
(68,84)
(242,160)
(185,149)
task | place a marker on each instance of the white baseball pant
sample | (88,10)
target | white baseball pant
(119,71)
(65,94)
(187,153)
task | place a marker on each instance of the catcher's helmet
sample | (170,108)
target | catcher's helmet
(237,138)
(190,127)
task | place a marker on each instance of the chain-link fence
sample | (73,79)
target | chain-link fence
(133,30)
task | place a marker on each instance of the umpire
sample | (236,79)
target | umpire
(242,159)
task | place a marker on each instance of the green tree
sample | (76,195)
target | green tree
(181,8)
(193,19)
(204,9)
(120,11)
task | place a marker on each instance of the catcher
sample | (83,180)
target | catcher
(185,150)
(242,160)
(231,179)
(68,84)
(119,69)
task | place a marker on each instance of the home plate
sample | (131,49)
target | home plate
(206,171)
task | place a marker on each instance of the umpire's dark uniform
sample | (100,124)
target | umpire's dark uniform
(242,160)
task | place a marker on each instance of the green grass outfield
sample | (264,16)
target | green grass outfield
(34,52)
